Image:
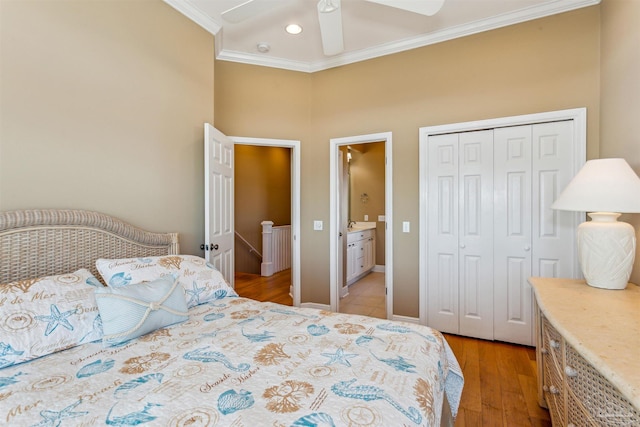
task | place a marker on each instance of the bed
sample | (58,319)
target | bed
(91,336)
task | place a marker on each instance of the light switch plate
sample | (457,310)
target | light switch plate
(366,217)
(405,226)
(317,225)
(381,218)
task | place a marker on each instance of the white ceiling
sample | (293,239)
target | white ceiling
(370,30)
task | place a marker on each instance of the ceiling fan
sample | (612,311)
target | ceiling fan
(330,16)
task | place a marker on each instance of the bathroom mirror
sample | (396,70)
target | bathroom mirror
(365,177)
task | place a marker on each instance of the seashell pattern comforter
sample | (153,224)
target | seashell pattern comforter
(238,362)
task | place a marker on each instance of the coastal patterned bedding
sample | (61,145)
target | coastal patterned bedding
(239,362)
(182,349)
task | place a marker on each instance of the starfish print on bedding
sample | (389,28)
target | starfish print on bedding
(339,357)
(195,292)
(53,418)
(56,318)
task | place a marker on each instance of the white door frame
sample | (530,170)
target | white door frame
(579,117)
(294,145)
(334,214)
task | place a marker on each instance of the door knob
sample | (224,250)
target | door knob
(527,248)
(215,247)
(462,246)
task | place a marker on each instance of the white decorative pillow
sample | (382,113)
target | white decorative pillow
(45,315)
(131,311)
(201,281)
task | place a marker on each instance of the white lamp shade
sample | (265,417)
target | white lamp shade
(602,185)
(606,247)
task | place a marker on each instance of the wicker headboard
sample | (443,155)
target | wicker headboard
(37,243)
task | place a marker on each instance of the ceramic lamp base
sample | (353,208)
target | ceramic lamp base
(606,250)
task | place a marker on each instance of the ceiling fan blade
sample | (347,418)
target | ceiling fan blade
(246,10)
(423,7)
(331,28)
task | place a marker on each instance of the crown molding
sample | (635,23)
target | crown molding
(528,14)
(194,13)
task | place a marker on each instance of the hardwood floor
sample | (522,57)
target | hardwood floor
(499,384)
(499,378)
(274,288)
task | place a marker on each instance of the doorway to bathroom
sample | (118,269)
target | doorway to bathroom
(360,236)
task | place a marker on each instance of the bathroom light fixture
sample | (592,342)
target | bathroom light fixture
(604,188)
(293,29)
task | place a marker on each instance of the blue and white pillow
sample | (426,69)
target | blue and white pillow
(201,281)
(131,311)
(45,315)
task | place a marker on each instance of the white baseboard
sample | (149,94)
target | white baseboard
(344,291)
(407,319)
(325,307)
(379,269)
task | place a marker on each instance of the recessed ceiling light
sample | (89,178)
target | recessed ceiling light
(293,29)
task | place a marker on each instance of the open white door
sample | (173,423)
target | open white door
(218,201)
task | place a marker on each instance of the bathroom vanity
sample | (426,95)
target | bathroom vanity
(361,250)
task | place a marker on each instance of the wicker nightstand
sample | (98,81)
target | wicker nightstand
(588,353)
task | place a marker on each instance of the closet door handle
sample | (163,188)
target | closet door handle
(527,248)
(462,246)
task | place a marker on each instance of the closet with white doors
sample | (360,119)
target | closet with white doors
(489,225)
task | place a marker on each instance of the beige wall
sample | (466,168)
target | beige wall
(543,65)
(102,108)
(265,102)
(262,193)
(367,176)
(620,91)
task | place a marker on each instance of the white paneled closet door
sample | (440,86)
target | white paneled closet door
(512,234)
(530,239)
(460,273)
(553,231)
(442,232)
(476,233)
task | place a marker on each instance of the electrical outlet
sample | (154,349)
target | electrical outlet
(366,217)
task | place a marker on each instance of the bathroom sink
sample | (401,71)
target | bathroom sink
(360,226)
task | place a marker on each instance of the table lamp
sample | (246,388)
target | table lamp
(604,188)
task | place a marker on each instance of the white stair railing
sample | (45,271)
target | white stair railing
(276,248)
